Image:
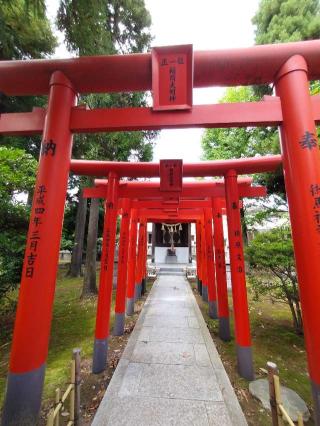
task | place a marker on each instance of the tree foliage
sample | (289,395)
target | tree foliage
(105,27)
(282,21)
(238,142)
(275,21)
(25,33)
(271,258)
(17,170)
(279,21)
(244,142)
(108,27)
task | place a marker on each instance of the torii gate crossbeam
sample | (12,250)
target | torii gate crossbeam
(118,73)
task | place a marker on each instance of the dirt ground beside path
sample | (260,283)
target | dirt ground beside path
(93,386)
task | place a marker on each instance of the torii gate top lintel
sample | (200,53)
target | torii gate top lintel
(116,73)
(200,169)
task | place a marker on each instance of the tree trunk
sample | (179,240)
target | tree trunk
(294,315)
(76,259)
(29,199)
(89,282)
(299,317)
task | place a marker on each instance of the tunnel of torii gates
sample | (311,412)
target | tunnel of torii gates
(171,73)
(195,202)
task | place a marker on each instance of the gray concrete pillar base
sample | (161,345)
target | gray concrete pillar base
(139,290)
(119,321)
(136,290)
(130,307)
(100,353)
(316,402)
(143,286)
(200,287)
(224,329)
(23,398)
(205,293)
(198,284)
(213,310)
(245,362)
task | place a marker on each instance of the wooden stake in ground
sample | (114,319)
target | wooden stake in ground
(272,371)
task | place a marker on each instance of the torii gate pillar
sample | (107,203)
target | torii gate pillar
(140,259)
(102,331)
(145,256)
(204,274)
(301,162)
(239,291)
(198,255)
(211,272)
(222,289)
(120,306)
(132,258)
(33,319)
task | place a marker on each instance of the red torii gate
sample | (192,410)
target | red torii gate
(151,170)
(180,209)
(289,66)
(151,190)
(219,254)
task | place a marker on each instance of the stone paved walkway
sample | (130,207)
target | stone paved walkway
(170,372)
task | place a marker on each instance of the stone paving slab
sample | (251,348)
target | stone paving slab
(164,353)
(172,334)
(193,323)
(171,310)
(179,382)
(170,372)
(171,412)
(168,321)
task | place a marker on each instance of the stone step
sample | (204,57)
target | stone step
(174,273)
(172,269)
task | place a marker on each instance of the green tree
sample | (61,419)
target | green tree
(282,21)
(104,27)
(238,142)
(25,33)
(275,21)
(100,28)
(17,170)
(271,258)
(245,142)
(279,21)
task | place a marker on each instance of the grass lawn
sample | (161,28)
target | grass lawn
(273,339)
(72,326)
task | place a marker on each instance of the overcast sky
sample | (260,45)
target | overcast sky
(208,25)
